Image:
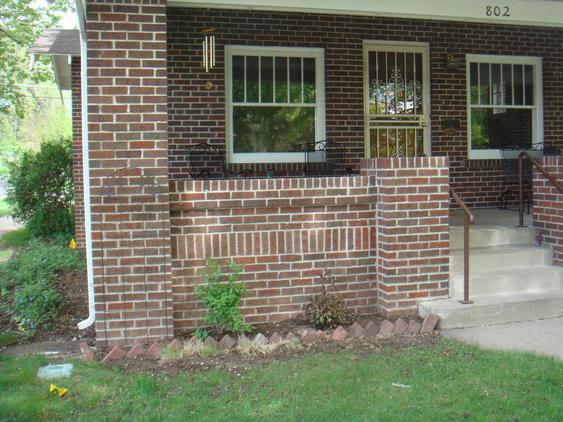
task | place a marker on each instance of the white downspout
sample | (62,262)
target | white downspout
(86,165)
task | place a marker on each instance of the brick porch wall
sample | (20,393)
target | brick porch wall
(197,114)
(383,235)
(128,129)
(77,153)
(412,231)
(548,209)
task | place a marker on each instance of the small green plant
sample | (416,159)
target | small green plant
(27,282)
(201,334)
(221,294)
(326,310)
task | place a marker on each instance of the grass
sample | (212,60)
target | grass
(4,208)
(448,381)
(16,238)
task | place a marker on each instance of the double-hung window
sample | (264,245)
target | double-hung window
(275,102)
(504,97)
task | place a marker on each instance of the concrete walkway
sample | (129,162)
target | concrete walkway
(7,225)
(544,337)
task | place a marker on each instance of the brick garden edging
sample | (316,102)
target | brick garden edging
(385,330)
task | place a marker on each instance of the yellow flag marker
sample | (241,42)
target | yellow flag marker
(72,244)
(59,391)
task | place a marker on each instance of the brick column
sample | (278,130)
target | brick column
(127,97)
(548,207)
(412,231)
(77,153)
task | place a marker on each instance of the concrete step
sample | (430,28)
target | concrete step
(500,257)
(507,281)
(495,309)
(486,236)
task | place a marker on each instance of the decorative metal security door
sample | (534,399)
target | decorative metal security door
(397,100)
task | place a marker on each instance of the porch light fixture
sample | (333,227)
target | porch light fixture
(208,48)
(451,62)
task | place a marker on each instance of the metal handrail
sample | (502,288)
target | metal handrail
(468,218)
(553,180)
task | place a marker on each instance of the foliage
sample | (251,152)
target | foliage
(326,310)
(450,382)
(173,353)
(41,189)
(21,22)
(27,281)
(221,295)
(15,239)
(201,334)
(44,117)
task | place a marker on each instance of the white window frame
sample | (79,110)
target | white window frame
(537,108)
(275,157)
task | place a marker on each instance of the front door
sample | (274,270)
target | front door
(397,99)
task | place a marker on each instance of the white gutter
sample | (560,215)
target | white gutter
(86,166)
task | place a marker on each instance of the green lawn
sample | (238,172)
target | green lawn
(15,239)
(449,381)
(4,208)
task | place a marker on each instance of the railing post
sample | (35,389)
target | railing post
(521,190)
(466,222)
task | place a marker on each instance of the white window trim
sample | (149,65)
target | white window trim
(537,116)
(274,157)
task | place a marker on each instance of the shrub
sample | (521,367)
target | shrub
(41,191)
(27,281)
(201,334)
(326,310)
(221,295)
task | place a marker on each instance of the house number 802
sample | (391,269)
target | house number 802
(503,11)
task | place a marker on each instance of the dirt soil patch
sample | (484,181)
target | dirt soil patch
(73,309)
(235,362)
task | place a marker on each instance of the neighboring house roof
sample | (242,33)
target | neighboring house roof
(61,45)
(57,42)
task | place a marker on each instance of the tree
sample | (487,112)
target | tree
(21,22)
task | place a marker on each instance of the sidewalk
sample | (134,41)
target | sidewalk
(543,337)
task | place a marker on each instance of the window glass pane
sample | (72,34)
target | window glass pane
(267,79)
(295,80)
(498,98)
(238,79)
(272,129)
(252,83)
(484,83)
(281,79)
(491,129)
(529,80)
(507,82)
(473,83)
(309,80)
(518,85)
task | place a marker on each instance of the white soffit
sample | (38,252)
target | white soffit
(511,12)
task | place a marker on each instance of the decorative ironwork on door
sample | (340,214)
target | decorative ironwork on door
(396,114)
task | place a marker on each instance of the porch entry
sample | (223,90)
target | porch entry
(397,99)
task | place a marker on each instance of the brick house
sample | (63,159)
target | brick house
(420,99)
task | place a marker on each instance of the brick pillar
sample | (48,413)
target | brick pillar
(77,153)
(548,207)
(127,97)
(412,231)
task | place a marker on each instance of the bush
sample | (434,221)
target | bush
(41,191)
(221,295)
(27,281)
(325,310)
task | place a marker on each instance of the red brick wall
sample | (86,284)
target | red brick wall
(286,232)
(127,115)
(77,153)
(198,114)
(548,209)
(412,231)
(383,235)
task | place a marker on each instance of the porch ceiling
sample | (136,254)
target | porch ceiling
(515,12)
